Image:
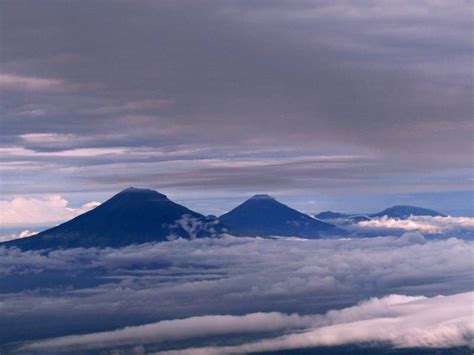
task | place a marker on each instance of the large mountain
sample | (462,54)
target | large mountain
(263,215)
(133,216)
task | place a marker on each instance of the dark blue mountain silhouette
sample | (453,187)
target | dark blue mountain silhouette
(397,212)
(341,218)
(263,215)
(133,216)
(403,212)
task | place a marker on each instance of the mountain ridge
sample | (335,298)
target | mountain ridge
(396,211)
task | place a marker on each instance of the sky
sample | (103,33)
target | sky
(350,106)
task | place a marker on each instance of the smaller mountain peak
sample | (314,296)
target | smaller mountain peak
(261,197)
(331,215)
(405,211)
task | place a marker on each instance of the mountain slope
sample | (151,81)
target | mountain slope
(133,216)
(263,215)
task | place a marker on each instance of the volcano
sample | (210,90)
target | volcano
(133,216)
(264,216)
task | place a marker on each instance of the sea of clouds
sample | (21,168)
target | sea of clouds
(239,295)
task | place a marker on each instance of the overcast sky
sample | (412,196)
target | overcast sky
(325,104)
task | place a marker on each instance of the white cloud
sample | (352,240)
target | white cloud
(22,211)
(21,234)
(423,224)
(403,321)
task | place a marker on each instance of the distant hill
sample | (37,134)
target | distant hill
(133,216)
(263,215)
(396,212)
(331,215)
(403,212)
(341,218)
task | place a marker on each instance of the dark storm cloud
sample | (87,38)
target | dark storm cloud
(309,77)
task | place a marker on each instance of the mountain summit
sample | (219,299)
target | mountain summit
(132,216)
(265,216)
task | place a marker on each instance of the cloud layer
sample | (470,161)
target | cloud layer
(107,289)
